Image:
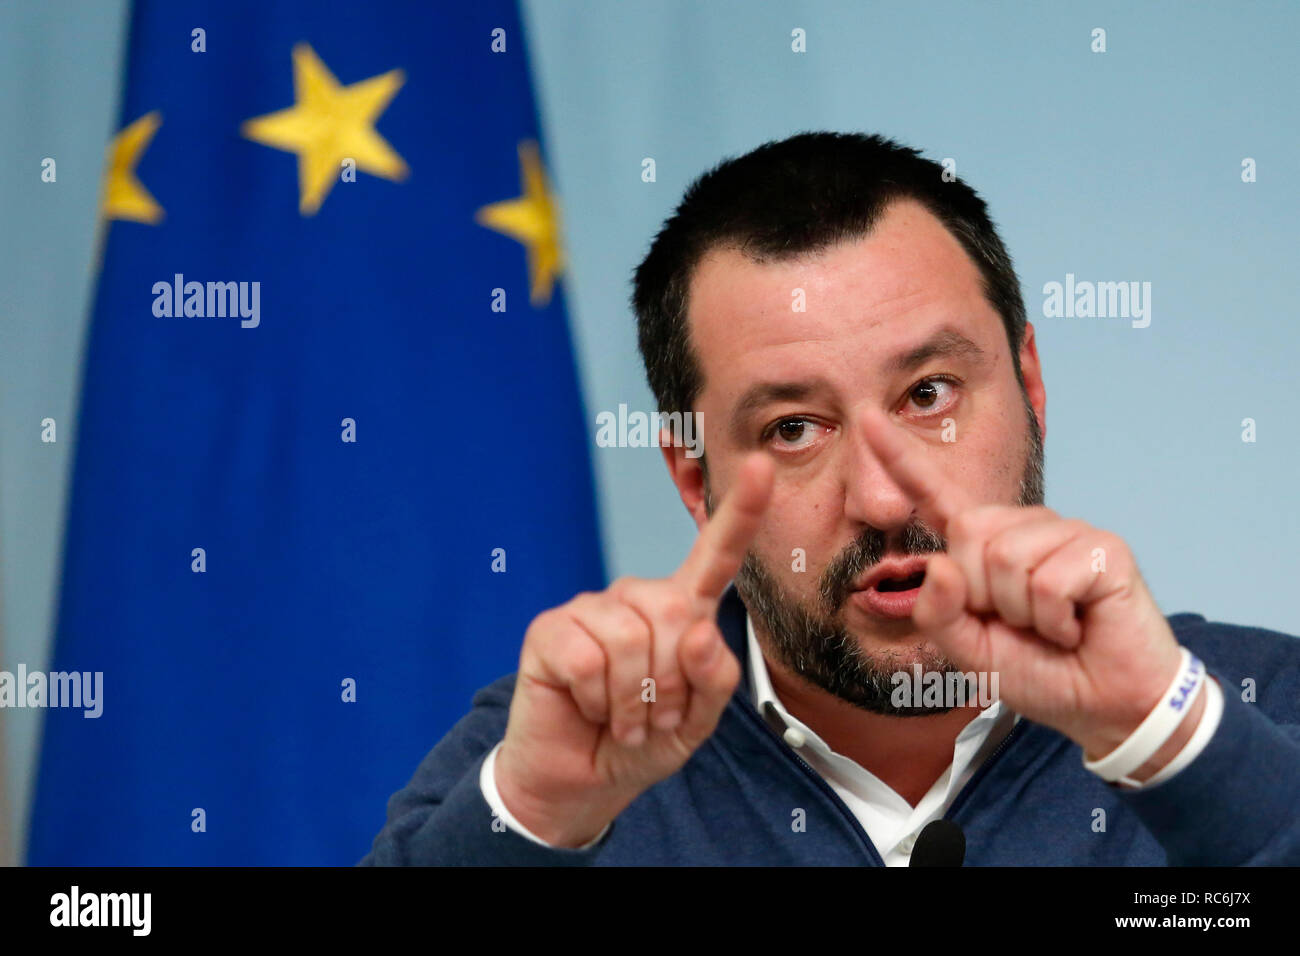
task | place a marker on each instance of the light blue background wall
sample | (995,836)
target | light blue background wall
(59,78)
(1116,166)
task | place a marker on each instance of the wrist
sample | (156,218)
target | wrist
(1161,735)
(556,823)
(1174,745)
(1104,735)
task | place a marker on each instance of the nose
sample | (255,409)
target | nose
(871,496)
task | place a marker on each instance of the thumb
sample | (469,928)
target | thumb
(940,610)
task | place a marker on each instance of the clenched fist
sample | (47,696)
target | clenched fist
(581,743)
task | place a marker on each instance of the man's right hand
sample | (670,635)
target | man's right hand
(581,743)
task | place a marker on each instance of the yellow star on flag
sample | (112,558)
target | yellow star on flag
(330,123)
(534,220)
(124,195)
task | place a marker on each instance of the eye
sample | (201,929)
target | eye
(933,395)
(791,434)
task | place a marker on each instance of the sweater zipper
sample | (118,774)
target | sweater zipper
(820,782)
(982,771)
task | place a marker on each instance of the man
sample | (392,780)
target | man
(848,328)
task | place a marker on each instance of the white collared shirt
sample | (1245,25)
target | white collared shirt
(890,821)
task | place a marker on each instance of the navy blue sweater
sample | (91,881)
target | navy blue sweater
(1030,803)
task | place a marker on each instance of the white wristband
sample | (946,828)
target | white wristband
(1158,727)
(1204,731)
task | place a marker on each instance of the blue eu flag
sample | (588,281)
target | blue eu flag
(331,454)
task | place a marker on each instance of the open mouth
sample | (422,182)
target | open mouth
(901,584)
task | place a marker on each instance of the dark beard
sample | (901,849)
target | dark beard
(815,645)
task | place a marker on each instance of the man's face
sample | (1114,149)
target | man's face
(897,321)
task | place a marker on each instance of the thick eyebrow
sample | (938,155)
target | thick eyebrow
(758,396)
(944,343)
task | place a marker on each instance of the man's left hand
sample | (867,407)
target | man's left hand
(1056,607)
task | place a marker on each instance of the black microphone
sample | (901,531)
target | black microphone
(940,843)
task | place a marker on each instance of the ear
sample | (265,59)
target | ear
(1032,371)
(687,474)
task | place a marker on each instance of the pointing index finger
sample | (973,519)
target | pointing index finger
(937,499)
(723,541)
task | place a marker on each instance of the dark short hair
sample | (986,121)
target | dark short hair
(793,196)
